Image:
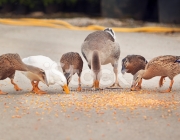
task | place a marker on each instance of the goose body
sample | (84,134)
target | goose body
(164,66)
(9,63)
(54,76)
(72,63)
(132,64)
(100,48)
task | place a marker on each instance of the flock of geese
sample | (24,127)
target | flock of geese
(99,48)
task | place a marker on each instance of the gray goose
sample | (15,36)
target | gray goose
(132,64)
(72,63)
(164,66)
(100,48)
(9,63)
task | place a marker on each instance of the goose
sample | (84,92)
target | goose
(54,76)
(164,66)
(132,64)
(10,62)
(72,63)
(100,48)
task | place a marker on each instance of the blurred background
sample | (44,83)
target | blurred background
(163,11)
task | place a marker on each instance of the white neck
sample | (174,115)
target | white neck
(112,35)
(111,32)
(56,77)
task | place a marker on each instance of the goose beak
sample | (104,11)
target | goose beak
(123,71)
(46,82)
(96,84)
(66,89)
(133,88)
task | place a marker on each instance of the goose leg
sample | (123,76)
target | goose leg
(116,84)
(138,87)
(69,80)
(36,88)
(79,82)
(170,87)
(16,87)
(161,81)
(67,75)
(96,85)
(3,93)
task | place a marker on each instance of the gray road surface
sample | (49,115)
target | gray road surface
(57,116)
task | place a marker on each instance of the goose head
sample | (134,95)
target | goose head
(111,32)
(125,64)
(137,77)
(59,79)
(40,73)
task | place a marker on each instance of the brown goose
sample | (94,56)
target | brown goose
(100,48)
(72,63)
(9,63)
(132,64)
(164,66)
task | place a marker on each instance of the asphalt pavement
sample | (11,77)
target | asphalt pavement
(88,115)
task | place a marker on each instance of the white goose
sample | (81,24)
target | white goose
(54,76)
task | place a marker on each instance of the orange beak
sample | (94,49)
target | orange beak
(96,84)
(132,88)
(66,89)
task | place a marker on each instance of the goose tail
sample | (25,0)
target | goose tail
(96,65)
(96,68)
(17,62)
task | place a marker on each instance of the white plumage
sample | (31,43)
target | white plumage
(54,76)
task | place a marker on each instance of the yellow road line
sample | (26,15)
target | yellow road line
(65,25)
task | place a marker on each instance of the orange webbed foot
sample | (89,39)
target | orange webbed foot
(38,91)
(116,86)
(3,93)
(79,89)
(17,88)
(170,87)
(137,88)
(36,88)
(166,91)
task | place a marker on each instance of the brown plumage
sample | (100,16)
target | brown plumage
(164,66)
(72,63)
(9,63)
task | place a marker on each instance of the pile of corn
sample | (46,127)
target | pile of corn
(98,101)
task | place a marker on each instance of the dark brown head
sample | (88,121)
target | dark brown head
(125,63)
(133,63)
